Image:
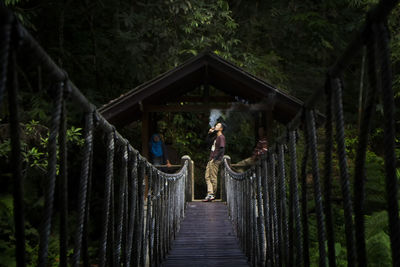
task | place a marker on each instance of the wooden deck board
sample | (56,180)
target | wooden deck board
(206,238)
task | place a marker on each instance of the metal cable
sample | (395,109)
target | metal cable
(51,174)
(337,85)
(389,142)
(83,187)
(312,140)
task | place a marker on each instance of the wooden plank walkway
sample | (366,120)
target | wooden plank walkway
(206,238)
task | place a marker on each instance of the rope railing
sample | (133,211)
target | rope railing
(137,223)
(272,219)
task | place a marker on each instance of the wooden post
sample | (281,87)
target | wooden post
(223,182)
(190,179)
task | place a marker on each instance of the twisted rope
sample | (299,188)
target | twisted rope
(62,139)
(140,224)
(304,200)
(328,174)
(85,237)
(121,202)
(107,194)
(359,172)
(51,173)
(282,196)
(312,140)
(148,215)
(274,218)
(6,22)
(133,204)
(151,212)
(264,174)
(389,142)
(261,219)
(111,230)
(16,159)
(125,230)
(294,192)
(83,186)
(344,175)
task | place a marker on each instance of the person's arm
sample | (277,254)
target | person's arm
(210,136)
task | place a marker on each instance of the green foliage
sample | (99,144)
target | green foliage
(12,2)
(7,251)
(35,154)
(377,239)
(7,232)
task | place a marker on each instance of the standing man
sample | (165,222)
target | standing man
(216,155)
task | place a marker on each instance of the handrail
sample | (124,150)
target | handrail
(274,231)
(136,228)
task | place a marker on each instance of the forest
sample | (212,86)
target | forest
(110,47)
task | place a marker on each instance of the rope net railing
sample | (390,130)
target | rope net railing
(268,205)
(136,221)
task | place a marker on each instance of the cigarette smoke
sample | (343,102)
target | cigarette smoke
(214,115)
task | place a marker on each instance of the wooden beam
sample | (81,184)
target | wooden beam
(206,107)
(200,99)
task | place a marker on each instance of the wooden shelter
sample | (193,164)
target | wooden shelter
(202,83)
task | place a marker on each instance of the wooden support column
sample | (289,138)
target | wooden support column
(268,117)
(145,145)
(269,125)
(145,134)
(256,118)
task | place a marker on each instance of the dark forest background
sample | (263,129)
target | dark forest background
(110,47)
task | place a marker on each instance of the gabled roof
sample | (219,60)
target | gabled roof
(205,68)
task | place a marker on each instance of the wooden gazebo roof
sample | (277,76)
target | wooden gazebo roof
(203,69)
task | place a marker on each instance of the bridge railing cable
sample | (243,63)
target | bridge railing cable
(276,230)
(129,228)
